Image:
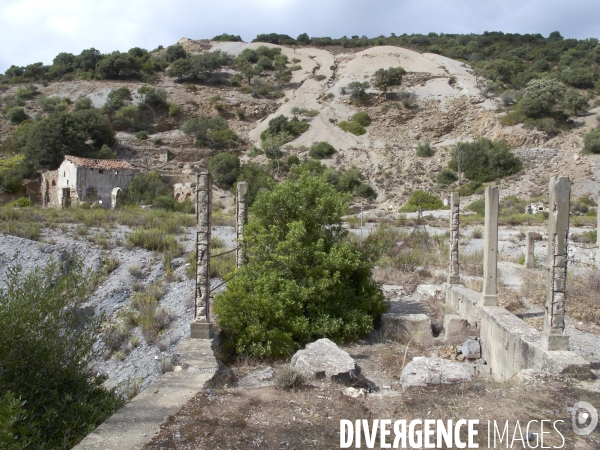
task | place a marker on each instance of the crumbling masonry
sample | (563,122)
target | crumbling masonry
(241,216)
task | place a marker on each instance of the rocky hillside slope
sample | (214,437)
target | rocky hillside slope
(449,108)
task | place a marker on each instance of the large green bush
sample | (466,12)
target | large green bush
(225,168)
(51,398)
(145,188)
(303,279)
(484,160)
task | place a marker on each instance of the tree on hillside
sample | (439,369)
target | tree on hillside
(357,89)
(541,96)
(175,52)
(303,279)
(576,101)
(118,65)
(383,79)
(224,167)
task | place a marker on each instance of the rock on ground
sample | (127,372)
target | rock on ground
(324,359)
(422,371)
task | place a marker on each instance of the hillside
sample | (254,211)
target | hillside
(450,104)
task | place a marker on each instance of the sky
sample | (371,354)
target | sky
(37,30)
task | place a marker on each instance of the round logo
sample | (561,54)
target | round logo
(584,419)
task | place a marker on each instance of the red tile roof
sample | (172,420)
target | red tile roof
(103,164)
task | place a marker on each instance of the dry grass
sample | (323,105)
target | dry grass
(471,263)
(583,297)
(533,289)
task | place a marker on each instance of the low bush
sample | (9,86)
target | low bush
(362,118)
(352,127)
(446,177)
(366,191)
(321,150)
(16,115)
(425,150)
(592,141)
(423,200)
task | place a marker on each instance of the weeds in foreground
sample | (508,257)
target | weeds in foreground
(289,378)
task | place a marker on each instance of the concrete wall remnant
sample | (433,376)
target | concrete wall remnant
(554,337)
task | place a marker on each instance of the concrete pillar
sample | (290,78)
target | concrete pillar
(553,334)
(453,271)
(529,250)
(241,217)
(201,328)
(489,296)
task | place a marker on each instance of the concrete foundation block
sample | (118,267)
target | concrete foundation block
(200,330)
(566,363)
(457,330)
(554,342)
(407,327)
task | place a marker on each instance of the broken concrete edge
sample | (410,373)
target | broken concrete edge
(415,328)
(138,421)
(509,345)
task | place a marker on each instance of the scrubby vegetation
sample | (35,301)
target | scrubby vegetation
(49,398)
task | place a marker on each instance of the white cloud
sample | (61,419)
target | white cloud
(37,30)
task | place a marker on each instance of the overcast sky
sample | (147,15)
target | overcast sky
(37,30)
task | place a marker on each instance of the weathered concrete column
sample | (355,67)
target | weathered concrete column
(529,250)
(453,270)
(553,335)
(489,296)
(201,328)
(241,217)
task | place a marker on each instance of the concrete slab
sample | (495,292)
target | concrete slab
(407,327)
(137,422)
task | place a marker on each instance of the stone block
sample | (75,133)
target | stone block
(324,359)
(200,330)
(407,327)
(456,330)
(422,371)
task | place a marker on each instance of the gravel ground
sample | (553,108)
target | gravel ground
(143,364)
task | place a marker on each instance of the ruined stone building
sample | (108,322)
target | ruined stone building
(80,180)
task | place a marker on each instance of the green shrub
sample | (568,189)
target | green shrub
(141,135)
(145,188)
(281,124)
(592,141)
(321,150)
(293,160)
(240,113)
(46,344)
(106,153)
(484,160)
(446,177)
(285,296)
(22,202)
(362,118)
(473,187)
(225,168)
(224,137)
(16,115)
(478,206)
(366,191)
(423,200)
(83,103)
(174,110)
(352,127)
(289,378)
(425,150)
